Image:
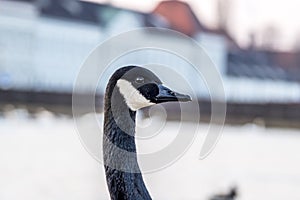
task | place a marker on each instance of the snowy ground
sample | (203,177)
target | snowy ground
(43,159)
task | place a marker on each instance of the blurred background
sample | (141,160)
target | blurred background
(254,44)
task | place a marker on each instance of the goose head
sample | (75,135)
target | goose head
(141,88)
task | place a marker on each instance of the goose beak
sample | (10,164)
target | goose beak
(165,95)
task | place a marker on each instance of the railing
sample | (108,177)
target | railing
(266,114)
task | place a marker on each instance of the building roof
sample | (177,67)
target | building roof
(78,10)
(180,17)
(262,65)
(173,14)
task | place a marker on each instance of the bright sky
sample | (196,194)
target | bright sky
(246,16)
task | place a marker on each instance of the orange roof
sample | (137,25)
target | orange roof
(180,16)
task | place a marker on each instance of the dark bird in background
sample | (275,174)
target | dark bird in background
(231,195)
(129,89)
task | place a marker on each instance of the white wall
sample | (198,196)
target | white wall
(41,53)
(60,49)
(215,47)
(262,91)
(17,24)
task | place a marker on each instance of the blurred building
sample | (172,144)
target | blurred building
(42,49)
(43,44)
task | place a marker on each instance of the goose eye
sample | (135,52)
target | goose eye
(140,80)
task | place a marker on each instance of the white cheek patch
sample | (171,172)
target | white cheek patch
(133,98)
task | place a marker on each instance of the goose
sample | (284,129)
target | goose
(129,89)
(231,195)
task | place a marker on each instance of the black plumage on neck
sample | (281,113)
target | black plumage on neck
(123,175)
